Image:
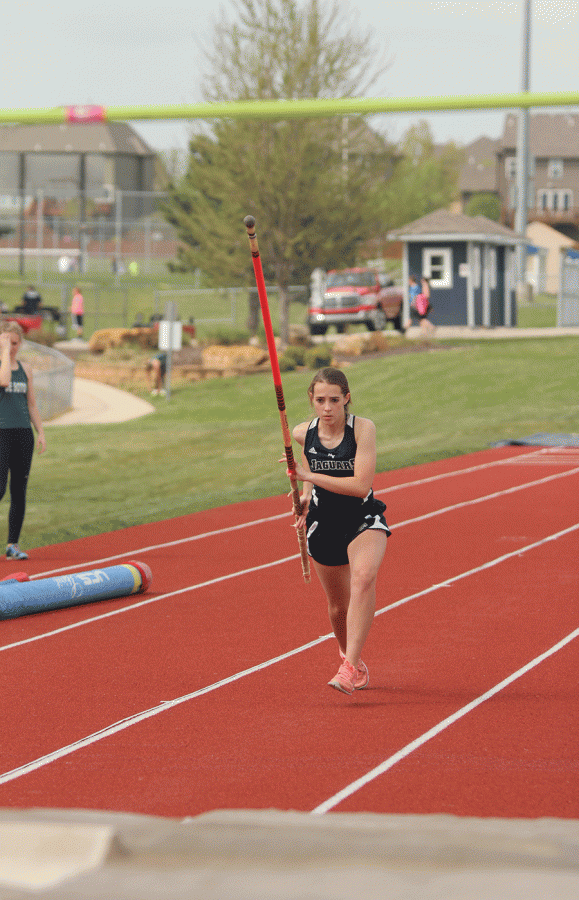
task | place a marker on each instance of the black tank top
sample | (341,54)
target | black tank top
(14,401)
(338,463)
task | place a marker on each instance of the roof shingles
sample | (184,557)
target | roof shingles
(443,222)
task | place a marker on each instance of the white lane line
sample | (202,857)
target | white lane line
(155,599)
(122,724)
(147,714)
(277,562)
(483,567)
(185,540)
(475,500)
(265,520)
(389,763)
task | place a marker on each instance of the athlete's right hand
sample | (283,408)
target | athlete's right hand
(301,519)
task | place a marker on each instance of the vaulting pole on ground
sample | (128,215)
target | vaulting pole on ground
(21,598)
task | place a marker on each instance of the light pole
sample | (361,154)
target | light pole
(523,152)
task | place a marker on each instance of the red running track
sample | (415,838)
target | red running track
(210,691)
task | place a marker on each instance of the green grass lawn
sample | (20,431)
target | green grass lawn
(541,313)
(218,442)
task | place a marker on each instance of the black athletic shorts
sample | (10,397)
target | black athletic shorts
(328,539)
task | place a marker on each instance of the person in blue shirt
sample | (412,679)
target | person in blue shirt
(413,292)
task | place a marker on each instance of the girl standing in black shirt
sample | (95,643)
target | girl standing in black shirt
(18,411)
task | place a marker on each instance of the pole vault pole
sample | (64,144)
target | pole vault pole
(249,222)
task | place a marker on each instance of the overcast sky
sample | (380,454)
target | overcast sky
(137,52)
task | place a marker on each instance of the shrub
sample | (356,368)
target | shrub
(318,357)
(286,363)
(297,354)
(226,337)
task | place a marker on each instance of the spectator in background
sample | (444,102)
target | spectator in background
(420,307)
(156,369)
(18,413)
(31,300)
(77,311)
(413,292)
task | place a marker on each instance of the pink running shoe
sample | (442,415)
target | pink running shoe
(345,679)
(362,675)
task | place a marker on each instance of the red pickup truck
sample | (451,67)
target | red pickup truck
(355,296)
(27,323)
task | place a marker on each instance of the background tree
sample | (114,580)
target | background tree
(425,178)
(313,199)
(485,204)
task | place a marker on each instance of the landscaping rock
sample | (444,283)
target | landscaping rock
(359,344)
(233,357)
(109,338)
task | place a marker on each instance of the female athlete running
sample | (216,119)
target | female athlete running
(346,529)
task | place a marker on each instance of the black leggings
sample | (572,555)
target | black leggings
(16,449)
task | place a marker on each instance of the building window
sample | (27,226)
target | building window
(555,169)
(437,267)
(555,200)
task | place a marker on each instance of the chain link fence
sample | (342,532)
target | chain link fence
(128,234)
(568,299)
(53,378)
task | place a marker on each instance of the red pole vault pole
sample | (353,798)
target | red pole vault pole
(249,222)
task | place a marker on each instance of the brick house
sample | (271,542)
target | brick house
(553,170)
(479,172)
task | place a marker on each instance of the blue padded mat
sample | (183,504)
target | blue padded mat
(542,440)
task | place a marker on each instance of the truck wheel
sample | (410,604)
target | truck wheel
(377,322)
(397,322)
(317,329)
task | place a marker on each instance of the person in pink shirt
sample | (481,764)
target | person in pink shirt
(77,311)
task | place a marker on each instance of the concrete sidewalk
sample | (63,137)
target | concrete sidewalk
(96,403)
(452,332)
(277,855)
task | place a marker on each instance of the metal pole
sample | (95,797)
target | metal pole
(22,192)
(170,316)
(39,235)
(523,152)
(118,229)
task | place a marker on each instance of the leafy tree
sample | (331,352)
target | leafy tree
(424,179)
(312,199)
(484,204)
